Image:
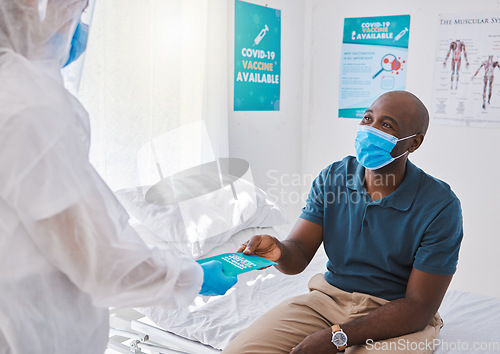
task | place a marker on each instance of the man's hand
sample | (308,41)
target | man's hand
(293,254)
(264,246)
(316,343)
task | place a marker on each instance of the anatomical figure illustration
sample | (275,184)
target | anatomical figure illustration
(489,66)
(457,47)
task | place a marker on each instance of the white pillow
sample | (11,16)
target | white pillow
(243,236)
(231,245)
(198,225)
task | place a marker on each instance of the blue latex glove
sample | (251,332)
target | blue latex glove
(215,282)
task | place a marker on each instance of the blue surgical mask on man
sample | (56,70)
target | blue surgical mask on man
(374,147)
(78,42)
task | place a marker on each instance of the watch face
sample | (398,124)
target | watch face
(339,339)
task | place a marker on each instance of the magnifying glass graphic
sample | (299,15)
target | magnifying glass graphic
(389,62)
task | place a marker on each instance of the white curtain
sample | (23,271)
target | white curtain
(155,85)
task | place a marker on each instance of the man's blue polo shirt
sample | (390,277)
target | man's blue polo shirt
(372,246)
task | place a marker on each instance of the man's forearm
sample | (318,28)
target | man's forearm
(394,319)
(293,259)
(391,320)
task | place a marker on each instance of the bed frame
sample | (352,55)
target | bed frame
(132,332)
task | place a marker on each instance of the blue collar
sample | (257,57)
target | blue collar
(401,199)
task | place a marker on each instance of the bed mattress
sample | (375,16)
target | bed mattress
(471,321)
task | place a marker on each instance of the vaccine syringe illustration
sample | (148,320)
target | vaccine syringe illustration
(401,34)
(261,35)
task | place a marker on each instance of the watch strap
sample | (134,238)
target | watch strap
(336,328)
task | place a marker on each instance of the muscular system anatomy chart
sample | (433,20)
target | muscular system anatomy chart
(467,56)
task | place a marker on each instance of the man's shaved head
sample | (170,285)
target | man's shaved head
(414,110)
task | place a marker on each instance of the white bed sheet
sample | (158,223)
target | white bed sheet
(470,320)
(217,320)
(471,323)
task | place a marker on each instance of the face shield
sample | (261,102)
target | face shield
(73,67)
(40,29)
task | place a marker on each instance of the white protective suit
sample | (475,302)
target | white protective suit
(66,249)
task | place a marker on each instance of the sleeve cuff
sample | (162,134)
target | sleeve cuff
(312,218)
(435,270)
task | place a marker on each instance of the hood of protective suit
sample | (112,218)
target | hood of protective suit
(39,29)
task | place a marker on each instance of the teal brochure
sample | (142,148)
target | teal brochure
(237,263)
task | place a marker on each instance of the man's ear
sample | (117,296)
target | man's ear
(416,142)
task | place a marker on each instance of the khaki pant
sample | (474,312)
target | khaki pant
(286,325)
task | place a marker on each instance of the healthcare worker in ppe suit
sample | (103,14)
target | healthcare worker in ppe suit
(67,252)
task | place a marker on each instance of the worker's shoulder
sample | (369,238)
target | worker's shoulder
(27,96)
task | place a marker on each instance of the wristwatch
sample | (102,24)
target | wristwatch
(339,338)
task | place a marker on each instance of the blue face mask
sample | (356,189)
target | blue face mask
(373,147)
(78,42)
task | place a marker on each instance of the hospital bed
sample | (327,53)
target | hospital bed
(236,212)
(471,321)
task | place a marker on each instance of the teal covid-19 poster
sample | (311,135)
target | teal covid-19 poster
(257,57)
(374,61)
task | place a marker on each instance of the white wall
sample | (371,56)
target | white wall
(466,158)
(272,141)
(306,135)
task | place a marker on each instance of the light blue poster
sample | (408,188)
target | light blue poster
(257,57)
(374,61)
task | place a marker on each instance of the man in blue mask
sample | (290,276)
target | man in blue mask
(392,234)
